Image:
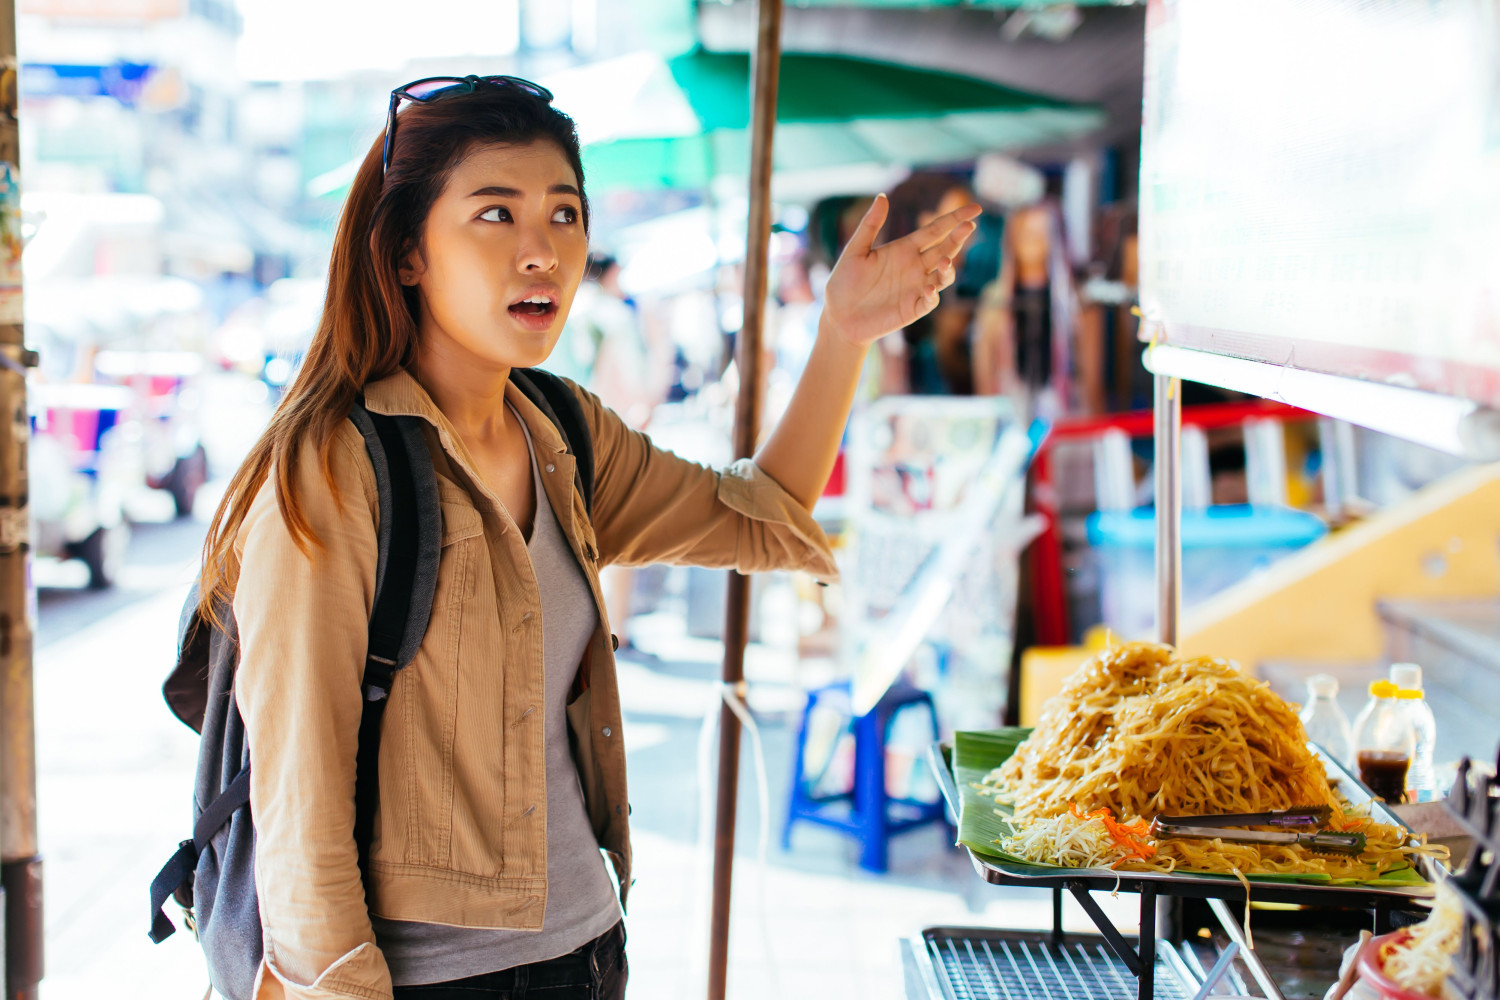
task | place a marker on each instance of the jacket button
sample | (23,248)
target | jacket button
(614,642)
(606,731)
(551,468)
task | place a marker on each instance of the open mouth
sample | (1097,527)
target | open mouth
(534,306)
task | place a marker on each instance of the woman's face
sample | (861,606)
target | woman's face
(1031,237)
(502,252)
(953,199)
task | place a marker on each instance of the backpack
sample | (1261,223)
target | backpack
(212,875)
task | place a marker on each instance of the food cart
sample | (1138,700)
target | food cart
(1324,239)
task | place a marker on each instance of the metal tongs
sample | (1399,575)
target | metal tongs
(1221,828)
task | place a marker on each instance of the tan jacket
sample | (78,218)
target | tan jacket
(460,837)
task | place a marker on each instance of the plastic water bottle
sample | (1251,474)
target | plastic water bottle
(1325,722)
(1384,743)
(1421,782)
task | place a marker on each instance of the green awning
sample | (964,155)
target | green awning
(682,121)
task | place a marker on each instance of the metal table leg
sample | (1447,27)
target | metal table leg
(1147,990)
(1112,936)
(1237,935)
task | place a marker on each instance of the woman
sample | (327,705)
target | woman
(462,243)
(1025,328)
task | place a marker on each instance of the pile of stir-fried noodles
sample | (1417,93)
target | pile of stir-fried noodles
(1138,733)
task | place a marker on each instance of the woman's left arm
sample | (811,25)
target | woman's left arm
(873,291)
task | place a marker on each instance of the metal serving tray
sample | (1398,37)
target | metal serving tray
(1196,885)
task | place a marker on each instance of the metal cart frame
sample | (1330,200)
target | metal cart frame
(1140,958)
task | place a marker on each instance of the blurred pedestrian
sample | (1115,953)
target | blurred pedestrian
(603,347)
(937,357)
(1027,318)
(604,329)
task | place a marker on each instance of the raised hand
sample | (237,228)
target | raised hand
(874,290)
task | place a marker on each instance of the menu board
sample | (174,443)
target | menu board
(1320,186)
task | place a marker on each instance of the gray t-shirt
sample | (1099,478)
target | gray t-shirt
(581,902)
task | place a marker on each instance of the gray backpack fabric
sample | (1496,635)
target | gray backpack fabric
(212,875)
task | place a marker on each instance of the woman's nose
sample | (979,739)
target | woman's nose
(538,255)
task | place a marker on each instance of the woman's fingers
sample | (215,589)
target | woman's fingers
(926,301)
(869,227)
(949,247)
(942,273)
(941,228)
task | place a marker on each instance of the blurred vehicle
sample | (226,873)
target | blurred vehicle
(172,455)
(81,471)
(95,447)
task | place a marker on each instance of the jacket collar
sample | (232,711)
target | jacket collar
(402,395)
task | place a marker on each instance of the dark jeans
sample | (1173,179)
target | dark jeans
(597,971)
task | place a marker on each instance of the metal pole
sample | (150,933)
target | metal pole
(1165,911)
(765,76)
(20,864)
(1168,433)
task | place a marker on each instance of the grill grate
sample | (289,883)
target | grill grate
(1012,966)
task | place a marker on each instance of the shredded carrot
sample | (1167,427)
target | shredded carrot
(1132,837)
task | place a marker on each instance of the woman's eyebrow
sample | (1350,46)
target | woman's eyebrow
(510,192)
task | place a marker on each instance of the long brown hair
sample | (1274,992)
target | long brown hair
(368,330)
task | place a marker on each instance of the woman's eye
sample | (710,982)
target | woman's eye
(496,214)
(565,214)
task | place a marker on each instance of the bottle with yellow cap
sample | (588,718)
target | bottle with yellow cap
(1421,783)
(1384,742)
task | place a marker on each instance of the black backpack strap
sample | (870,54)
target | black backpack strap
(180,868)
(411,545)
(561,406)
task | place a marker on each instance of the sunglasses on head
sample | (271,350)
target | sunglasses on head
(435,88)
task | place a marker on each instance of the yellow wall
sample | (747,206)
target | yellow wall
(1320,603)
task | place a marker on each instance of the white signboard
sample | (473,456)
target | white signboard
(1320,186)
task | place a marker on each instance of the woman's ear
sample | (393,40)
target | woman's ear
(411,269)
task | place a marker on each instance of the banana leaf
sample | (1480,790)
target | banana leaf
(983,823)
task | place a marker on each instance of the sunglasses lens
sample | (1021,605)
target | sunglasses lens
(530,88)
(428,89)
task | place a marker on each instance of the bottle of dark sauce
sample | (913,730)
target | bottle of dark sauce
(1384,772)
(1384,742)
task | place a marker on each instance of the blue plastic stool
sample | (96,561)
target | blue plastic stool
(866,812)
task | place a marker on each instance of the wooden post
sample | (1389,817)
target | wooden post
(20,861)
(765,67)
